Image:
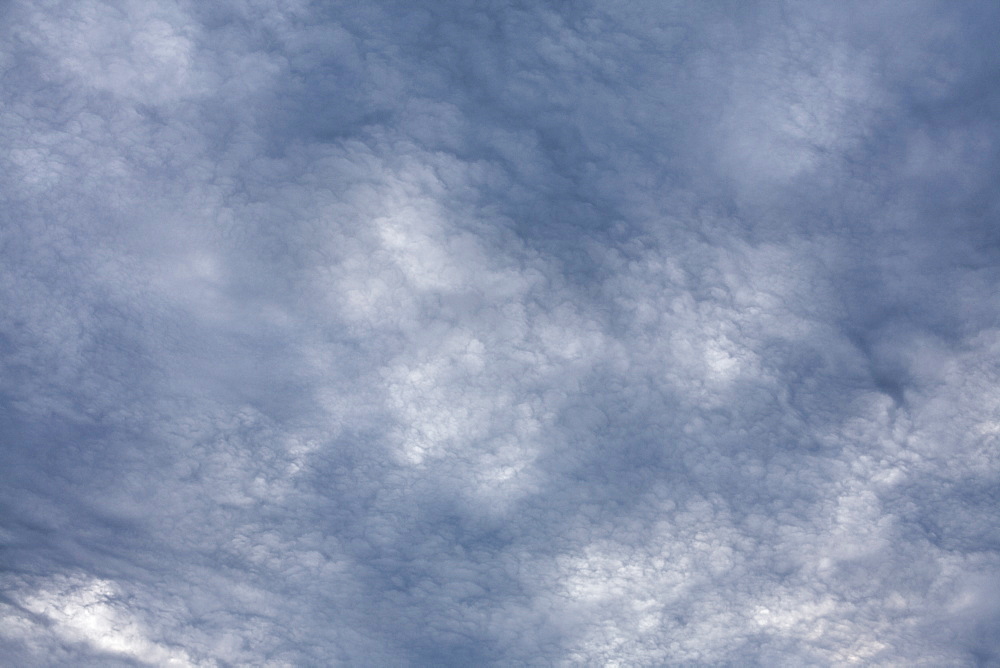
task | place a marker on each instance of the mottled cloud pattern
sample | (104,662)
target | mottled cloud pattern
(499,333)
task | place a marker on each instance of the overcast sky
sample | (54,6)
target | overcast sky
(611,332)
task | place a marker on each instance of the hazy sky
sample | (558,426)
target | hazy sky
(515,333)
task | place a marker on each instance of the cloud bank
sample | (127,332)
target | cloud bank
(449,334)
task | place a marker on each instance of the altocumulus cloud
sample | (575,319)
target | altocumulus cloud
(442,333)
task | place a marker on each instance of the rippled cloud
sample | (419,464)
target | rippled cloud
(437,334)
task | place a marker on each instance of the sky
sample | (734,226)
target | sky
(438,333)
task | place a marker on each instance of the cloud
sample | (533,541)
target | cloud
(427,335)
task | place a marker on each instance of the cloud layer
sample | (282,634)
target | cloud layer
(434,334)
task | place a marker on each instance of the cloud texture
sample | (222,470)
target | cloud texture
(499,333)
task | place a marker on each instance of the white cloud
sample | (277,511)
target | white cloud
(401,335)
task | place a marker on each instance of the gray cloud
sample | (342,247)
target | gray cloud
(421,334)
